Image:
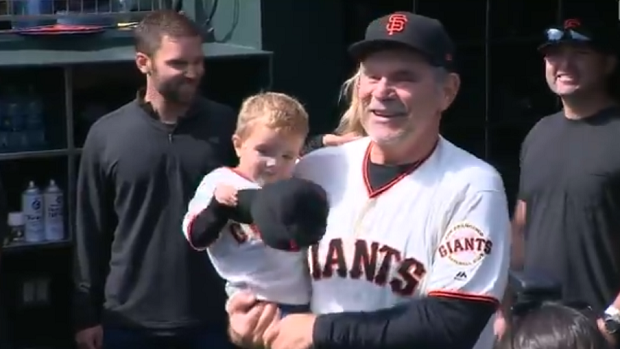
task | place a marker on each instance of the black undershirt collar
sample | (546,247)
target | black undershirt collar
(379,178)
(381,175)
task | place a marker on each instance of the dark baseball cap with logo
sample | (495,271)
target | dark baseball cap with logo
(407,30)
(593,32)
(289,214)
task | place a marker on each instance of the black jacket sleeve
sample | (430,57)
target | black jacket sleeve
(205,227)
(93,236)
(429,323)
(313,143)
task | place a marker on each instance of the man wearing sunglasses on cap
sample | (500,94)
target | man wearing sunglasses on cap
(567,220)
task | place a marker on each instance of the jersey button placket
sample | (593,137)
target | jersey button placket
(358,225)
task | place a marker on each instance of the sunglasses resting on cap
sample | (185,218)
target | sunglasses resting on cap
(574,31)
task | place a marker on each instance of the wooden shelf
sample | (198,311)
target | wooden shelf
(35,154)
(16,247)
(109,47)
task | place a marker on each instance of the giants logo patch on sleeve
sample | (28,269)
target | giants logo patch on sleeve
(465,244)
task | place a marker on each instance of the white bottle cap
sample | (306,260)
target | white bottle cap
(16,219)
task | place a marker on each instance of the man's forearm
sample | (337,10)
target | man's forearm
(430,322)
(517,254)
(517,246)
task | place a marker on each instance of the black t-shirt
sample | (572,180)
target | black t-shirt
(570,181)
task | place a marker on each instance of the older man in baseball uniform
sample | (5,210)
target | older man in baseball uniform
(416,250)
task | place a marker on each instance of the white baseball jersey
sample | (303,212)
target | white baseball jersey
(242,259)
(441,230)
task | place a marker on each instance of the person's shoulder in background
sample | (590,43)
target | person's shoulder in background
(313,143)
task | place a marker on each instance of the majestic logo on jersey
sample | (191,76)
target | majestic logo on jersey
(465,244)
(376,263)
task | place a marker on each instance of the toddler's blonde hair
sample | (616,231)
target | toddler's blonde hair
(277,111)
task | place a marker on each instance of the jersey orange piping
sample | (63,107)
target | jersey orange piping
(464,296)
(374,193)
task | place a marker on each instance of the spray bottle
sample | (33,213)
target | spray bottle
(53,209)
(32,208)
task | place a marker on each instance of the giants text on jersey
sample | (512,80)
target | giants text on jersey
(242,259)
(441,230)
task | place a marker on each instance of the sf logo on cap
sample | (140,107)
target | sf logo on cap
(396,23)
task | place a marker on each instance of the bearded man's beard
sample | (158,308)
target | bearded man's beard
(172,89)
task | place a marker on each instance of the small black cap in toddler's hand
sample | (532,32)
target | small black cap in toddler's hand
(290,214)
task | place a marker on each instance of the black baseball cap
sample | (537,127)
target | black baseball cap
(407,30)
(595,33)
(289,214)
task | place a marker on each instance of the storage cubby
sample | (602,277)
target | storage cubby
(36,285)
(100,89)
(16,174)
(35,278)
(36,298)
(32,113)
